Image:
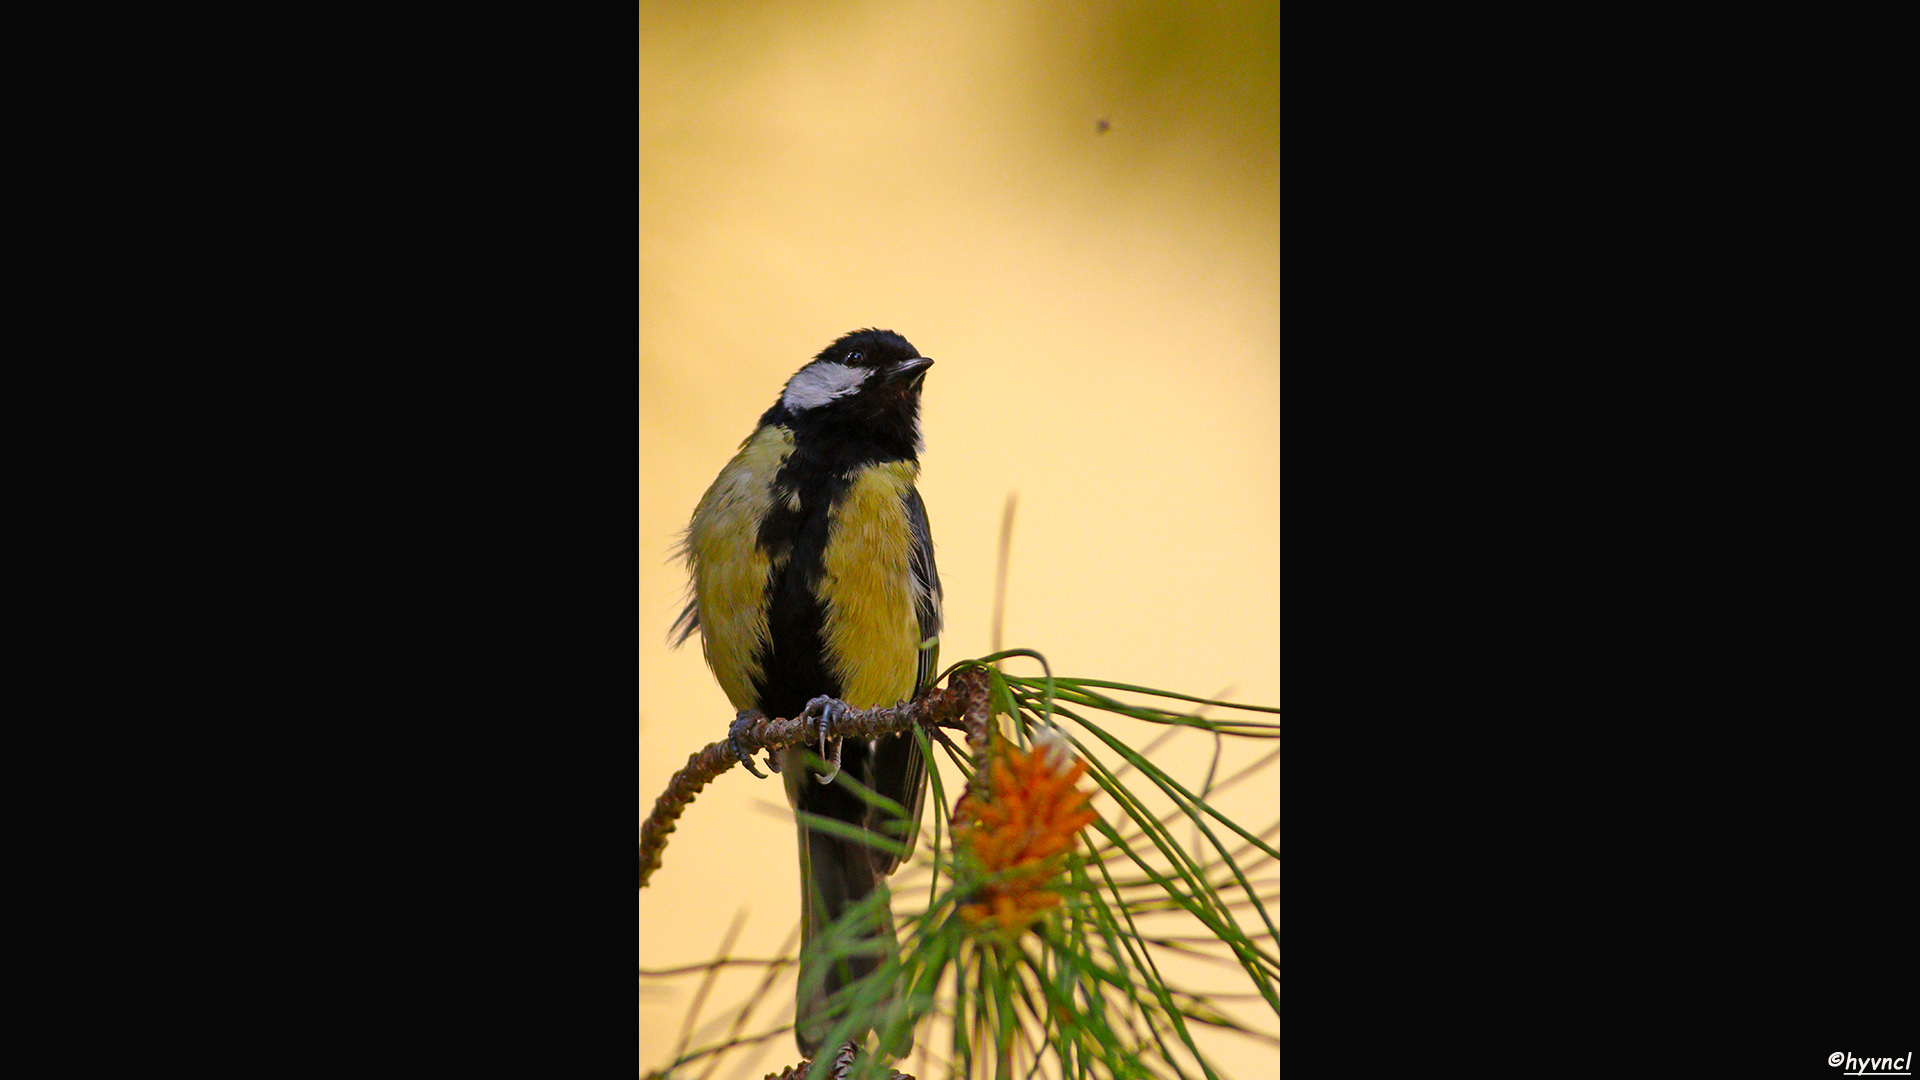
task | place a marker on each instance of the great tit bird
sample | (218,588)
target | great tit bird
(813,576)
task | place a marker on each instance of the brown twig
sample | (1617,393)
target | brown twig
(839,1067)
(977,693)
(966,693)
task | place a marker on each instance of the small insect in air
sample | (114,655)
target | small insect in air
(1100,126)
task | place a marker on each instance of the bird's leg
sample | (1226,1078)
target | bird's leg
(743,720)
(828,710)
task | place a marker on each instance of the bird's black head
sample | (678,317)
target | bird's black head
(864,386)
(870,348)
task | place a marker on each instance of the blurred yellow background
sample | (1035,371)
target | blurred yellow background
(1073,208)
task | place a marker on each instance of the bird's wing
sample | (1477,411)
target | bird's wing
(899,770)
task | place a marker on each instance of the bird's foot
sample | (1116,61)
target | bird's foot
(828,710)
(745,719)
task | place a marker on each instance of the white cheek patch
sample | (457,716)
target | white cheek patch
(821,382)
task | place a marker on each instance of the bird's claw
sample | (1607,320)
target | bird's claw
(745,720)
(828,710)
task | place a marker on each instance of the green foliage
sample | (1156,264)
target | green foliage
(1084,991)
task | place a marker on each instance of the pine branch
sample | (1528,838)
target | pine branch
(963,704)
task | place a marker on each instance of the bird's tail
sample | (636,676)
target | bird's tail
(837,876)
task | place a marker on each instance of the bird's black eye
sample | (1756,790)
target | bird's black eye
(853,358)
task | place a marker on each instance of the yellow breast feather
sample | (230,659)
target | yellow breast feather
(729,568)
(872,633)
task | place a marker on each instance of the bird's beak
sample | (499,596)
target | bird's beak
(909,372)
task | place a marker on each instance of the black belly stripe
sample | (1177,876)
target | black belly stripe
(794,667)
